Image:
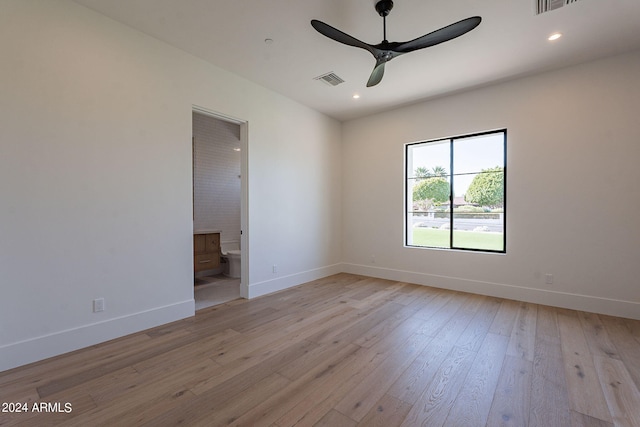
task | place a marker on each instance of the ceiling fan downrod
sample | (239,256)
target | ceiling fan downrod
(383,7)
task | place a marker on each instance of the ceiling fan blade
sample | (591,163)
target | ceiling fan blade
(439,36)
(337,35)
(377,73)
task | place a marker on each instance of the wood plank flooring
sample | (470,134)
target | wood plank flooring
(347,350)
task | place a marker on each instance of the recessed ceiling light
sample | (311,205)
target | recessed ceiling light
(554,36)
(356,96)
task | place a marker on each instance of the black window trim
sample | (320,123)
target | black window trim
(451,139)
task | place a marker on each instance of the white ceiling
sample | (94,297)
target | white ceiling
(511,41)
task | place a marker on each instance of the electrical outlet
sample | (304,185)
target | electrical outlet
(275,269)
(373,259)
(548,279)
(98,305)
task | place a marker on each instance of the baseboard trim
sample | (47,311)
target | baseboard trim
(35,349)
(285,282)
(587,303)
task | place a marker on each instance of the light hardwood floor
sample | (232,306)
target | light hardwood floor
(349,351)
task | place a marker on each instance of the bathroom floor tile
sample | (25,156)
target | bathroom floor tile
(214,290)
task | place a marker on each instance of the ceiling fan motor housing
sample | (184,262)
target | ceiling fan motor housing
(384,7)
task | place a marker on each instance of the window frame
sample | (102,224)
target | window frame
(451,140)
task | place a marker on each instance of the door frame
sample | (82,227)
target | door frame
(244,189)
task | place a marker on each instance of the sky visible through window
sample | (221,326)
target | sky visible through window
(471,155)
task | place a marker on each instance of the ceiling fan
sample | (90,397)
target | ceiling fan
(386,51)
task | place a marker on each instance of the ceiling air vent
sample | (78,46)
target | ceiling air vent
(543,6)
(331,79)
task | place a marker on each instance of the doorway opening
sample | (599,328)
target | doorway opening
(219,208)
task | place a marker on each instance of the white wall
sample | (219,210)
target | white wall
(95,183)
(95,180)
(573,193)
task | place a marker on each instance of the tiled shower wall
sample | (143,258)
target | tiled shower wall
(216,176)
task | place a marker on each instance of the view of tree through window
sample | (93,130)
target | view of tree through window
(455,192)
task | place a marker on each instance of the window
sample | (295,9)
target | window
(456,192)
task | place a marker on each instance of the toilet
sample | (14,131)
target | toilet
(231,253)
